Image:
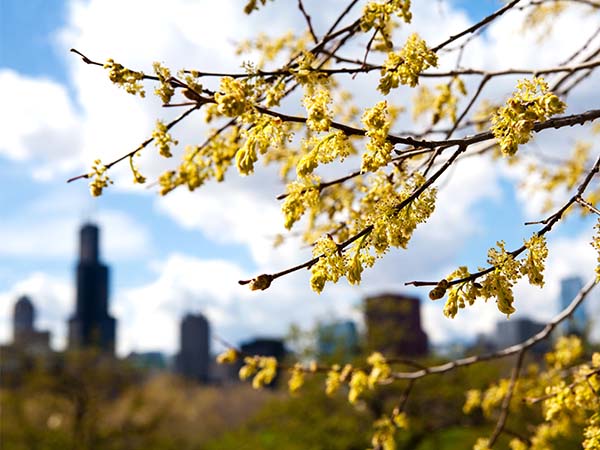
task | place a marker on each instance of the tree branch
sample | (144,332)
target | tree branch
(549,223)
(513,349)
(505,408)
(478,25)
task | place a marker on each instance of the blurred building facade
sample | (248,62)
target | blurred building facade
(25,336)
(394,325)
(193,360)
(516,330)
(91,325)
(28,343)
(339,339)
(577,323)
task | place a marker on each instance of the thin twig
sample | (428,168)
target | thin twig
(549,223)
(588,205)
(478,25)
(141,146)
(308,21)
(513,349)
(505,408)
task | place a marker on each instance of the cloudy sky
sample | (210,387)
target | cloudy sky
(185,252)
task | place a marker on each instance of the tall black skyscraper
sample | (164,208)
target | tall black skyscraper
(193,359)
(91,325)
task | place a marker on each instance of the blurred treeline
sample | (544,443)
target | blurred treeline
(87,401)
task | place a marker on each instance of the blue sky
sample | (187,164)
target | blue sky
(187,252)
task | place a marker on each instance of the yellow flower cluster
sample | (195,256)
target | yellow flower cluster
(335,377)
(473,401)
(275,93)
(229,356)
(531,102)
(358,380)
(201,164)
(591,434)
(233,97)
(482,444)
(127,79)
(266,132)
(382,215)
(499,282)
(296,380)
(323,150)
(405,66)
(577,401)
(393,228)
(163,139)
(385,428)
(305,75)
(263,368)
(533,264)
(164,90)
(380,370)
(443,105)
(359,383)
(319,115)
(330,266)
(334,264)
(301,195)
(377,14)
(100,179)
(567,350)
(377,125)
(567,392)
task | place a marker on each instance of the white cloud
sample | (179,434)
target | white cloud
(56,238)
(187,284)
(40,124)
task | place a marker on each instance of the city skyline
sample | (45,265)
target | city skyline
(169,258)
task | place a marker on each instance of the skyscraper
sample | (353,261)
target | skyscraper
(25,336)
(193,359)
(576,324)
(394,325)
(23,318)
(91,325)
(516,330)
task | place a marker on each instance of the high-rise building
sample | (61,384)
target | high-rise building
(338,338)
(28,344)
(394,325)
(576,324)
(25,336)
(516,330)
(193,359)
(91,325)
(23,318)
